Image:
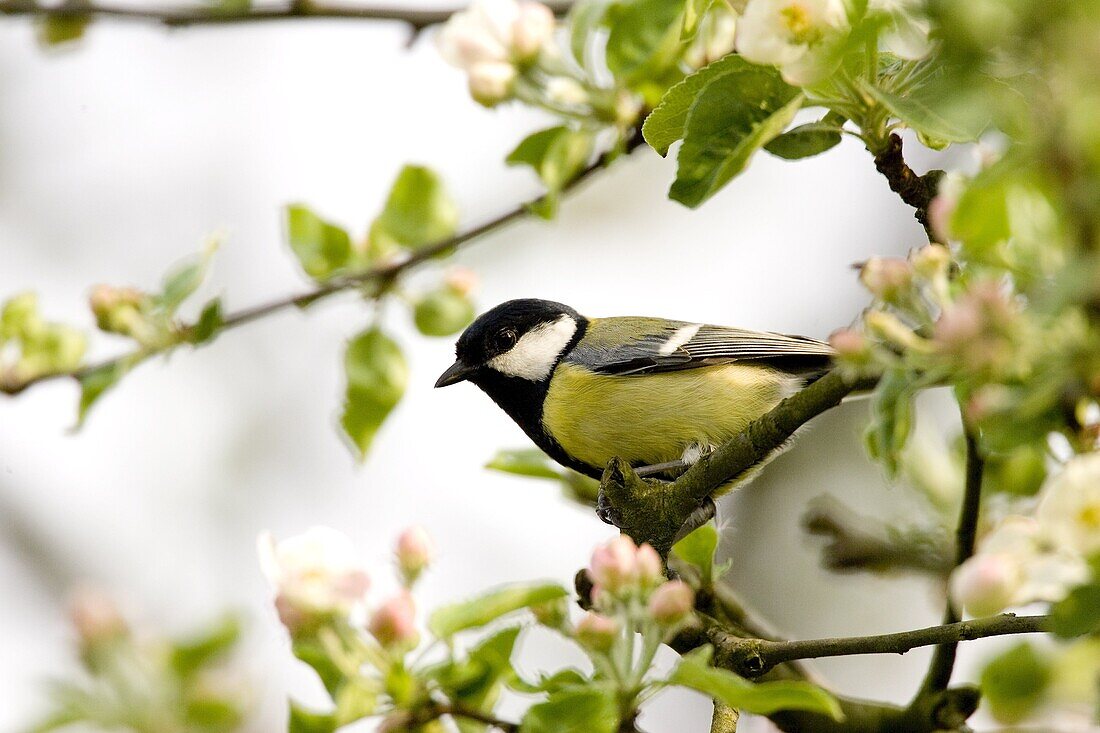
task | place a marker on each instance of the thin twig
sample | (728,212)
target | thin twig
(753,657)
(181,17)
(915,190)
(383,275)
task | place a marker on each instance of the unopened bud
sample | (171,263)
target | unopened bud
(849,343)
(116,309)
(930,261)
(565,91)
(532,29)
(491,82)
(890,328)
(648,568)
(19,316)
(612,565)
(462,280)
(95,617)
(886,277)
(393,624)
(414,553)
(672,602)
(551,614)
(596,632)
(986,583)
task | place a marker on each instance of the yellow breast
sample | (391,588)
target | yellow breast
(652,418)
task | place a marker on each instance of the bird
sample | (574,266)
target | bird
(651,391)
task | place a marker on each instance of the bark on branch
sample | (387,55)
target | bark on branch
(915,190)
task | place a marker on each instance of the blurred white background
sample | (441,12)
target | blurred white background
(118,155)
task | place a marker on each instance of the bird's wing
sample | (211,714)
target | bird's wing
(630,346)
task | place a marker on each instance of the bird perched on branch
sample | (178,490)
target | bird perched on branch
(648,390)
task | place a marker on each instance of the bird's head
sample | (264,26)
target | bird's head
(520,339)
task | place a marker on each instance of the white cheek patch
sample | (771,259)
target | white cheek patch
(682,335)
(536,352)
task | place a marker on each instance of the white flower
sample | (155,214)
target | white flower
(495,31)
(715,39)
(1015,565)
(315,572)
(1069,511)
(794,35)
(906,33)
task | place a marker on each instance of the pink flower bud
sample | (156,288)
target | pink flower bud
(671,602)
(95,617)
(414,552)
(491,82)
(848,343)
(394,623)
(313,574)
(612,566)
(532,29)
(930,261)
(462,280)
(986,583)
(886,277)
(597,632)
(648,568)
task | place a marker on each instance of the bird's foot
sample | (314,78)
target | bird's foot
(646,509)
(700,516)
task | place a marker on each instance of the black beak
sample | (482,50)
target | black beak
(457,372)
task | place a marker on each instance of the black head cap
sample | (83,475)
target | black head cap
(497,330)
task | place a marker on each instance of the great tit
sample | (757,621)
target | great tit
(648,390)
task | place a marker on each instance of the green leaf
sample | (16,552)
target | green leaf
(209,324)
(665,124)
(524,462)
(557,155)
(560,680)
(302,720)
(476,682)
(183,280)
(94,383)
(323,249)
(584,17)
(762,698)
(1078,613)
(1014,682)
(573,710)
(418,212)
(55,30)
(697,550)
(891,419)
(377,374)
(643,43)
(449,620)
(930,116)
(694,10)
(356,699)
(317,658)
(804,141)
(733,117)
(443,312)
(190,655)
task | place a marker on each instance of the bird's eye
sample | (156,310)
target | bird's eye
(504,340)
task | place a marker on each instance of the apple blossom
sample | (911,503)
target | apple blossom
(986,583)
(316,572)
(393,624)
(794,35)
(1069,512)
(95,616)
(491,82)
(565,91)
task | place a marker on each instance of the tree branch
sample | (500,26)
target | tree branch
(858,542)
(917,191)
(180,17)
(382,277)
(653,511)
(943,660)
(754,657)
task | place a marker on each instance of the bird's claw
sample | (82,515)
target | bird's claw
(607,513)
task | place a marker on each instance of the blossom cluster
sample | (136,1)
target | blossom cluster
(1037,558)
